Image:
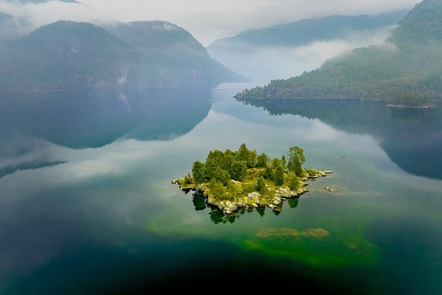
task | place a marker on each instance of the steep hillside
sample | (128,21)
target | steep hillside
(286,50)
(404,71)
(421,26)
(65,55)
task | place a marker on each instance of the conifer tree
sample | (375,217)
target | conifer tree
(295,160)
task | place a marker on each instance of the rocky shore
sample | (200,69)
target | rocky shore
(272,198)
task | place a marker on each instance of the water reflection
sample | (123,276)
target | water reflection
(83,119)
(31,122)
(412,138)
(109,221)
(217,216)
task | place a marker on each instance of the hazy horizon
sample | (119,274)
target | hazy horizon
(206,21)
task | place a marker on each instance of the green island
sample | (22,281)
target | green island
(232,180)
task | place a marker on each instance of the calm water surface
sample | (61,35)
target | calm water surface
(87,205)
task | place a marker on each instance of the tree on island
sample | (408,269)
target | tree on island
(296,160)
(225,166)
(242,179)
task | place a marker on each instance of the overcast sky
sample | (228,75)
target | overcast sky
(206,20)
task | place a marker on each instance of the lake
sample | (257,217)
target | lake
(87,205)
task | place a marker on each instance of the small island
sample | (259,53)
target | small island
(411,101)
(242,179)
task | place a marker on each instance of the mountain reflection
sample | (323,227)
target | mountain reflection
(82,119)
(412,138)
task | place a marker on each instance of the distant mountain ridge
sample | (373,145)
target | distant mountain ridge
(277,51)
(307,30)
(65,55)
(404,71)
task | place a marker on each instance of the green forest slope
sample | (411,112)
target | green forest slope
(406,70)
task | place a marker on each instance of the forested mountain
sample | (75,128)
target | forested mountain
(286,50)
(421,26)
(406,70)
(65,55)
(308,30)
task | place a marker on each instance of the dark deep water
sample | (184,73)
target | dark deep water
(87,205)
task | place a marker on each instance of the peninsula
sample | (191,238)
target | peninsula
(232,180)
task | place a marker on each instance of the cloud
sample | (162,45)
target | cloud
(318,51)
(205,20)
(30,16)
(262,64)
(210,20)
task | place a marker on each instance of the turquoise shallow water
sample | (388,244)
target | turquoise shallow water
(85,217)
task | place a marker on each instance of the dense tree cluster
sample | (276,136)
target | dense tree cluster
(221,169)
(408,99)
(233,181)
